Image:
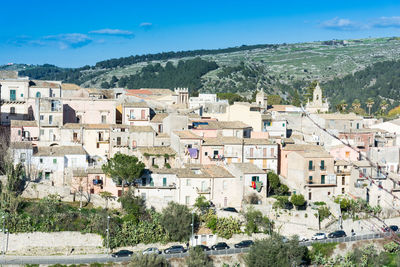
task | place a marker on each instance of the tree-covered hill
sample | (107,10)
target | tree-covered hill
(381,82)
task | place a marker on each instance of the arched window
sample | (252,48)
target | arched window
(12,110)
(38,95)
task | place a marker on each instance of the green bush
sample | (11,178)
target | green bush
(391,247)
(297,200)
(198,258)
(324,250)
(148,260)
(176,220)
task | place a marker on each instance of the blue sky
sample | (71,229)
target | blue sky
(75,33)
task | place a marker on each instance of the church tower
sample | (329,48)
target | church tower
(261,98)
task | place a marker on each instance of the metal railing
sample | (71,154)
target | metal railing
(103,258)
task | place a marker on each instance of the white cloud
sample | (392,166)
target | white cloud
(387,22)
(116,32)
(342,24)
(146,25)
(68,40)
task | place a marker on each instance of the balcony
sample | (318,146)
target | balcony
(203,190)
(103,140)
(322,168)
(343,172)
(152,186)
(216,158)
(30,139)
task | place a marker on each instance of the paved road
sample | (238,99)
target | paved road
(103,258)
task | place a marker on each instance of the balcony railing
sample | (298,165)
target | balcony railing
(152,186)
(203,190)
(216,158)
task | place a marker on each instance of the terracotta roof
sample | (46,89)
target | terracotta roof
(87,126)
(157,150)
(303,147)
(141,104)
(21,145)
(257,141)
(203,171)
(44,84)
(70,86)
(314,154)
(17,123)
(222,140)
(158,118)
(57,151)
(223,125)
(247,168)
(186,134)
(141,129)
(342,163)
(149,91)
(339,116)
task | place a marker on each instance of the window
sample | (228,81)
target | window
(103,119)
(205,153)
(322,179)
(309,195)
(38,95)
(41,160)
(264,152)
(22,157)
(187,200)
(251,152)
(41,117)
(50,119)
(19,132)
(188,182)
(118,141)
(310,165)
(347,154)
(12,110)
(143,181)
(310,178)
(41,132)
(75,137)
(322,164)
(272,152)
(54,161)
(342,190)
(164,181)
(47,175)
(224,185)
(13,95)
(143,114)
(132,115)
(343,180)
(151,182)
(283,125)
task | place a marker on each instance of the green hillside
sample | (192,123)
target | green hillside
(285,69)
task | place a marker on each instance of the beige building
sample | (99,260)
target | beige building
(311,174)
(318,104)
(136,113)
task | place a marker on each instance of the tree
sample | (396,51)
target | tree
(370,102)
(310,90)
(384,105)
(148,260)
(296,98)
(256,222)
(323,213)
(106,196)
(342,106)
(197,258)
(273,182)
(123,169)
(356,104)
(297,200)
(134,206)
(177,220)
(202,204)
(273,251)
(274,100)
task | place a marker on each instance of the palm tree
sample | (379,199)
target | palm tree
(342,105)
(356,104)
(384,106)
(370,103)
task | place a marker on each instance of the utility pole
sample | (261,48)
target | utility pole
(4,235)
(192,227)
(108,234)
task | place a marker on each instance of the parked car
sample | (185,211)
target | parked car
(393,228)
(318,236)
(202,247)
(220,246)
(302,238)
(244,244)
(122,253)
(337,234)
(230,209)
(151,251)
(174,249)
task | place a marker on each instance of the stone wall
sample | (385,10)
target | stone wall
(39,243)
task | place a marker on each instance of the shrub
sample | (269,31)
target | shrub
(256,222)
(197,258)
(391,247)
(297,200)
(323,250)
(148,260)
(282,202)
(176,220)
(167,165)
(272,251)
